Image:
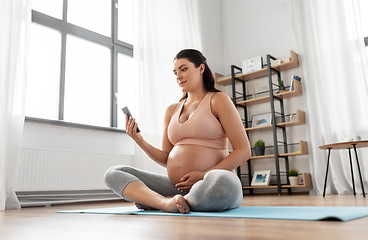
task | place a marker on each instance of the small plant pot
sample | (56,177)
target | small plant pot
(294,180)
(259,151)
(282,88)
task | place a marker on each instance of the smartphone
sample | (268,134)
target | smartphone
(127,112)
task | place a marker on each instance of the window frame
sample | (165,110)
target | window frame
(115,45)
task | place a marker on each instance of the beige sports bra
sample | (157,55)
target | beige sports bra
(201,128)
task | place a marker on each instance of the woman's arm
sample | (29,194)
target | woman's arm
(224,109)
(159,156)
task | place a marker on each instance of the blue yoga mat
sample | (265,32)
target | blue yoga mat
(260,212)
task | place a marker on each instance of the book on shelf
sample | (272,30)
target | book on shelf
(296,77)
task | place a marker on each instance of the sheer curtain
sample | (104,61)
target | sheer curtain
(335,81)
(163,28)
(15,17)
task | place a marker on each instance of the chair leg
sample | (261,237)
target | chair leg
(360,175)
(328,161)
(351,168)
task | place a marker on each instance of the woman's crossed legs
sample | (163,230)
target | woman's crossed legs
(219,190)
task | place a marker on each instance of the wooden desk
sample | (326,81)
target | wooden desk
(346,145)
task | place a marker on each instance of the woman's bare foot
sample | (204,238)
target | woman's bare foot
(144,207)
(182,204)
(176,204)
(173,204)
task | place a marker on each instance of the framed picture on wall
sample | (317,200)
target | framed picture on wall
(260,120)
(261,178)
(251,65)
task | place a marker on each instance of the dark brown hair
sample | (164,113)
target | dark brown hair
(197,58)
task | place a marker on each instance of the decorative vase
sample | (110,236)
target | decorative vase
(294,180)
(260,150)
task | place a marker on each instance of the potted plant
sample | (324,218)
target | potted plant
(259,147)
(281,84)
(293,176)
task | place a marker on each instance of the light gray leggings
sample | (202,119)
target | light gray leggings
(219,190)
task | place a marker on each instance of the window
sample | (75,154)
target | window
(74,68)
(124,21)
(43,73)
(92,15)
(52,8)
(87,82)
(126,95)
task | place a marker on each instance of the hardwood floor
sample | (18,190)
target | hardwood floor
(43,223)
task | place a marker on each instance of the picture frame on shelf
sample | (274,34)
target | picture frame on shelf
(261,178)
(252,64)
(260,120)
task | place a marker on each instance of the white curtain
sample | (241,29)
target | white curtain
(15,17)
(334,65)
(163,28)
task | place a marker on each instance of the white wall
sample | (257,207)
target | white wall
(58,158)
(256,28)
(49,137)
(210,17)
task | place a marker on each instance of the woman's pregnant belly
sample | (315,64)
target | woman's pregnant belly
(187,158)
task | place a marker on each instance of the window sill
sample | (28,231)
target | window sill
(72,125)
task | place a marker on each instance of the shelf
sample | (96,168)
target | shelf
(262,128)
(307,182)
(263,156)
(226,80)
(253,187)
(282,95)
(303,150)
(300,120)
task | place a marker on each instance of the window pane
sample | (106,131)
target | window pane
(94,15)
(87,83)
(126,87)
(43,73)
(126,21)
(52,8)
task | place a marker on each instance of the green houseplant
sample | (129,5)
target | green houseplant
(281,84)
(293,176)
(259,147)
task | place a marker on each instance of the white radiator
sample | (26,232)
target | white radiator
(53,170)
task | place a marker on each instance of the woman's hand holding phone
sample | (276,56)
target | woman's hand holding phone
(131,126)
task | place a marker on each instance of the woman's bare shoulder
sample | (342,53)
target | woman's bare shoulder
(170,111)
(172,107)
(220,95)
(220,98)
(221,103)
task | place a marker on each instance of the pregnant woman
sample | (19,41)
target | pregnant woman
(200,171)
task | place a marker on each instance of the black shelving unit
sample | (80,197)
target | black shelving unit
(241,100)
(242,95)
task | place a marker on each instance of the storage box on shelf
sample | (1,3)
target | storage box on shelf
(280,96)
